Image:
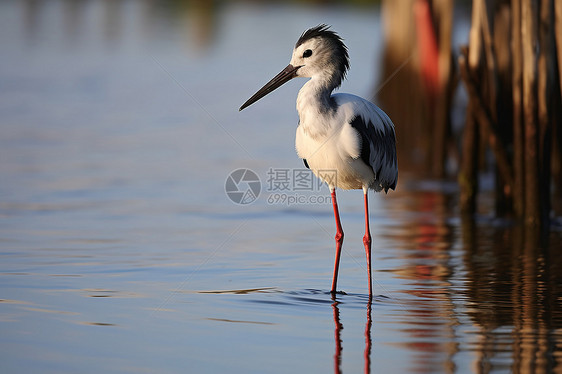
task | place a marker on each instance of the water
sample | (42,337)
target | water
(121,252)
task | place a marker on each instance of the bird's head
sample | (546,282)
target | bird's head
(319,54)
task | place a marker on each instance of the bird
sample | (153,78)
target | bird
(347,141)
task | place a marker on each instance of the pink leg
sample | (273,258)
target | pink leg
(367,243)
(339,241)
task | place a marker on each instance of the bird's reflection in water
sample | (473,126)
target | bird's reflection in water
(368,340)
(338,327)
(337,336)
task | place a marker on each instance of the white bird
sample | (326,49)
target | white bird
(347,141)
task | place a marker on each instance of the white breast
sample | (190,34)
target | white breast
(334,158)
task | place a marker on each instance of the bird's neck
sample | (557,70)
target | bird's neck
(314,105)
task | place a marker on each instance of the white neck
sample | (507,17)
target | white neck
(313,105)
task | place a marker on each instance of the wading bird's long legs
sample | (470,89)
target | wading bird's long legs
(339,240)
(367,241)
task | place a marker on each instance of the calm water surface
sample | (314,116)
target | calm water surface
(121,252)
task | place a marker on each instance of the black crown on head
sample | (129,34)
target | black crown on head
(341,55)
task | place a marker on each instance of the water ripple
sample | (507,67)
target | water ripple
(304,297)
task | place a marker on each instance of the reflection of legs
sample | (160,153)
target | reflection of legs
(368,340)
(338,328)
(367,241)
(339,240)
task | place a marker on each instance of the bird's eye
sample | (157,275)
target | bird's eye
(307,53)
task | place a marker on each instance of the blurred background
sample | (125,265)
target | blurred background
(120,250)
(166,63)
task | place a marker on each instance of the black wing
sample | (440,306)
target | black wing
(378,148)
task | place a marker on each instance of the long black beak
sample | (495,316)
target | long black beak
(283,77)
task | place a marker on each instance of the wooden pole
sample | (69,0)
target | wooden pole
(558,36)
(469,60)
(474,38)
(557,107)
(518,133)
(528,38)
(544,95)
(443,15)
(468,173)
(486,124)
